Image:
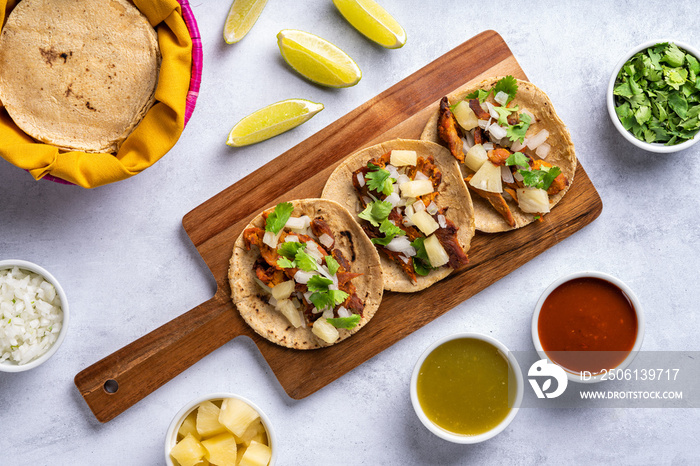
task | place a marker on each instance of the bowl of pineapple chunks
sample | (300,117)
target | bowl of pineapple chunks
(220,429)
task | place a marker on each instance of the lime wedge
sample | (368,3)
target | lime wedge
(241,18)
(373,21)
(317,59)
(272,120)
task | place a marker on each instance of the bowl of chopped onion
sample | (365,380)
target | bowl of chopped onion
(33,315)
(652,96)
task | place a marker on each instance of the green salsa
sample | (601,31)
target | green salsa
(463,386)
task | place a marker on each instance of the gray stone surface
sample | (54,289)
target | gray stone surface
(127,266)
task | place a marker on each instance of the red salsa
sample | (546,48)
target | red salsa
(587,324)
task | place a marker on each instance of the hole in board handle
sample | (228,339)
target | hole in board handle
(111,386)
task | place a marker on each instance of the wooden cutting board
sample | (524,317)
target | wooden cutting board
(118,381)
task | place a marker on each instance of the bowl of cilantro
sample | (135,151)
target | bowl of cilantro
(653,97)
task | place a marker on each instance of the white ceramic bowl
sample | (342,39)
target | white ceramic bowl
(651,147)
(10,366)
(171,435)
(575,377)
(457,438)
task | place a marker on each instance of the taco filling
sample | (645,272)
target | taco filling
(399,195)
(307,279)
(486,133)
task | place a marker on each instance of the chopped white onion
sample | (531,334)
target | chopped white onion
(487,146)
(368,200)
(518,146)
(402,179)
(262,285)
(492,110)
(483,124)
(401,244)
(328,313)
(506,174)
(432,208)
(333,287)
(467,142)
(497,131)
(538,139)
(418,206)
(326,240)
(291,239)
(360,179)
(543,149)
(393,171)
(393,199)
(404,258)
(298,223)
(271,239)
(517,176)
(303,276)
(501,97)
(272,301)
(442,221)
(421,176)
(344,312)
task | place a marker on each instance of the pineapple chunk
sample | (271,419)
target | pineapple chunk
(533,200)
(465,116)
(253,433)
(290,311)
(325,331)
(221,449)
(476,156)
(416,188)
(189,426)
(283,290)
(240,453)
(208,420)
(436,253)
(425,222)
(256,454)
(401,158)
(488,178)
(237,415)
(188,451)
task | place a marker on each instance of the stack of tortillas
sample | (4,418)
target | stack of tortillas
(79,75)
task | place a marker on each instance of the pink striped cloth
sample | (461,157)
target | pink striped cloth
(195,79)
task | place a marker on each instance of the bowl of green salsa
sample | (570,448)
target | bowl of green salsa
(466,388)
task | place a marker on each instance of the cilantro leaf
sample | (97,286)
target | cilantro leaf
(390,231)
(305,261)
(518,130)
(541,178)
(480,94)
(286,263)
(289,249)
(379,180)
(319,283)
(504,113)
(421,263)
(519,159)
(376,212)
(345,322)
(509,85)
(674,56)
(332,265)
(277,219)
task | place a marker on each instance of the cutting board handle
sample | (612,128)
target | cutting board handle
(120,380)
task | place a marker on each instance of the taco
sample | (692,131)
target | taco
(304,275)
(411,201)
(514,151)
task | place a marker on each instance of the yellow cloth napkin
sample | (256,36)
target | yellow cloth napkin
(153,137)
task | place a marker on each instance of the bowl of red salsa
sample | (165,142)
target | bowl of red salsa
(588,323)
